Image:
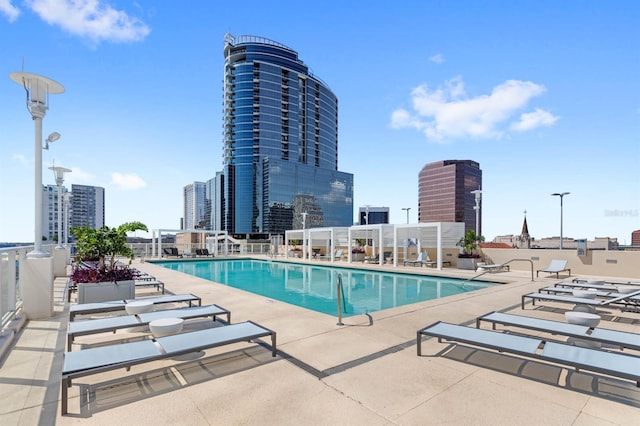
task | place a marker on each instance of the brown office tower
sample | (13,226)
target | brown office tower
(444,192)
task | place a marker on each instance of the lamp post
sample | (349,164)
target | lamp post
(304,242)
(478,194)
(407,209)
(561,195)
(59,174)
(38,89)
(366,213)
(67,219)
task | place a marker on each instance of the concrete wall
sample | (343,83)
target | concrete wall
(604,263)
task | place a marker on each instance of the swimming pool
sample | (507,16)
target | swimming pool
(314,287)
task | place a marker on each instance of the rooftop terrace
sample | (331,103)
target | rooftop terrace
(365,372)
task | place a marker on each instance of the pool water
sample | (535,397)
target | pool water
(314,287)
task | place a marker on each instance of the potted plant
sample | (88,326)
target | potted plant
(469,242)
(357,254)
(96,274)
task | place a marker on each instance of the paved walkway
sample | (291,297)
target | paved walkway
(363,373)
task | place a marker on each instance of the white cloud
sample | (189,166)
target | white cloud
(19,158)
(448,113)
(90,18)
(437,58)
(80,177)
(531,120)
(127,181)
(11,12)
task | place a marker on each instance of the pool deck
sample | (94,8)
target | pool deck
(365,372)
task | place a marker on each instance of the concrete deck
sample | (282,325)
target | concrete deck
(363,373)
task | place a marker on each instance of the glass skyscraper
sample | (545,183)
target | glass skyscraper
(195,206)
(280,143)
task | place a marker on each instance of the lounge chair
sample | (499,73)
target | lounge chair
(494,267)
(159,285)
(97,360)
(119,305)
(611,292)
(187,253)
(72,287)
(605,281)
(555,267)
(171,252)
(203,252)
(599,361)
(103,325)
(376,259)
(624,302)
(607,336)
(434,263)
(421,259)
(372,259)
(586,286)
(336,256)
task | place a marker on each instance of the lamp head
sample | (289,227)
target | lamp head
(51,139)
(59,172)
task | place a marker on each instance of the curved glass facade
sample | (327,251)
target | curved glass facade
(280,141)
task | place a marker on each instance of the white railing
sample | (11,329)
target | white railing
(11,261)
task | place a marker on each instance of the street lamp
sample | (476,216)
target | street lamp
(67,219)
(407,209)
(478,194)
(366,213)
(561,195)
(59,172)
(38,89)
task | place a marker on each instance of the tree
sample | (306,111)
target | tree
(105,244)
(469,243)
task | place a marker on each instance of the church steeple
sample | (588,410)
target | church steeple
(525,238)
(525,228)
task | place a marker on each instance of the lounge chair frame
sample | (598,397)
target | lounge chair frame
(607,281)
(119,305)
(337,255)
(495,267)
(159,285)
(555,267)
(617,338)
(624,302)
(610,363)
(585,286)
(421,260)
(610,292)
(98,360)
(111,324)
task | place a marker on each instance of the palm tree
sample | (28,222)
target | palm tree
(105,243)
(469,243)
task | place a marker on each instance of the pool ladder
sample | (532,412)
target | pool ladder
(340,297)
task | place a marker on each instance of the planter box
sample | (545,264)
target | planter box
(357,257)
(104,292)
(468,263)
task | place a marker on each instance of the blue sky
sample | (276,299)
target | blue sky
(543,94)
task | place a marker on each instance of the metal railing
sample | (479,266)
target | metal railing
(340,297)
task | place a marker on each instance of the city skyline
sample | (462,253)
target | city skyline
(543,95)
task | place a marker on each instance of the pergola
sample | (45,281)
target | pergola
(441,235)
(330,238)
(156,239)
